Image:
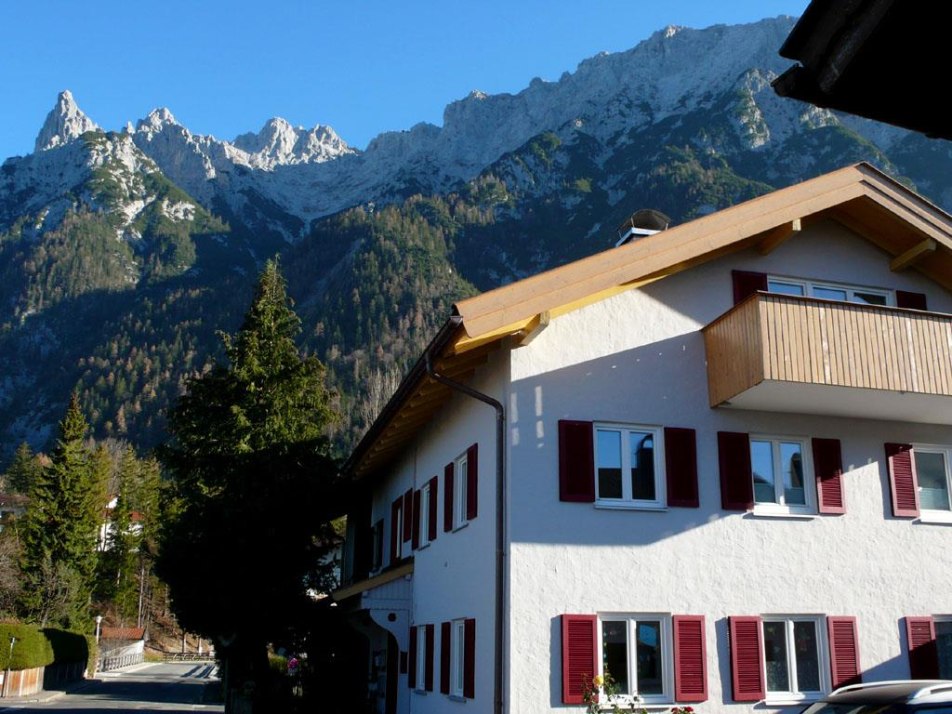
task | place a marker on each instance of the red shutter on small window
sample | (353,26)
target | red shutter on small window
(680,463)
(733,458)
(411,665)
(579,633)
(576,461)
(416,519)
(690,659)
(912,301)
(844,651)
(448,477)
(472,481)
(828,465)
(430,637)
(747,659)
(469,658)
(394,533)
(445,649)
(903,484)
(434,494)
(747,283)
(408,515)
(923,652)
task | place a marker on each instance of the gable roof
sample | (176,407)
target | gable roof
(902,223)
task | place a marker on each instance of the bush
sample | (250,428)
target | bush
(67,646)
(32,648)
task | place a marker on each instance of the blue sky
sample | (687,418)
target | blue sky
(363,66)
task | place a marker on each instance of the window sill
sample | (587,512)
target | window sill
(629,506)
(421,692)
(938,517)
(760,512)
(460,526)
(457,698)
(791,700)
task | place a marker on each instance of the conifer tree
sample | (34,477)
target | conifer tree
(22,471)
(249,521)
(60,529)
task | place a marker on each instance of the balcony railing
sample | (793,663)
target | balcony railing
(782,353)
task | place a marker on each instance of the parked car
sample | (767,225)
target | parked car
(925,696)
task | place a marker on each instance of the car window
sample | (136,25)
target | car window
(933,709)
(852,708)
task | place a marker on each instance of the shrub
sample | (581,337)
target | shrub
(32,648)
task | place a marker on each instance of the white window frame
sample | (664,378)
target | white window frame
(457,658)
(667,656)
(627,501)
(808,287)
(398,549)
(424,520)
(809,477)
(934,515)
(421,654)
(460,478)
(794,695)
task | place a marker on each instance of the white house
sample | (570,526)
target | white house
(713,463)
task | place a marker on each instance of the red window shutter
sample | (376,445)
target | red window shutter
(434,487)
(416,519)
(747,283)
(680,463)
(469,658)
(576,461)
(912,301)
(828,465)
(903,483)
(733,458)
(430,639)
(923,653)
(408,515)
(844,651)
(445,648)
(411,665)
(472,481)
(448,477)
(690,659)
(579,648)
(394,534)
(747,659)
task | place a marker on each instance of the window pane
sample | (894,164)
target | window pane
(791,461)
(650,680)
(807,655)
(778,286)
(943,640)
(933,486)
(615,652)
(829,293)
(775,657)
(609,464)
(868,298)
(642,465)
(459,491)
(761,461)
(458,642)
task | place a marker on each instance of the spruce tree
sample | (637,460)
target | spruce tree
(60,529)
(248,525)
(22,471)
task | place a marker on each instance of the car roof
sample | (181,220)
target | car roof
(905,691)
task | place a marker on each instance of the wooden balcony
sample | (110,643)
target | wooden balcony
(794,354)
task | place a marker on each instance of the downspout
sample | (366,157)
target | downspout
(500,515)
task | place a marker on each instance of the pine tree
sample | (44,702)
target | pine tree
(22,471)
(60,529)
(249,522)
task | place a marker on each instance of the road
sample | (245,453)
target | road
(144,688)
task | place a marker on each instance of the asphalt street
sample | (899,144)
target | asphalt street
(143,688)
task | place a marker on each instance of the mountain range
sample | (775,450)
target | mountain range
(123,252)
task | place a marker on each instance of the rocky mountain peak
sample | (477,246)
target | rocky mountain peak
(65,122)
(156,121)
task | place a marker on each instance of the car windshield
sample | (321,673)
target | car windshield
(850,708)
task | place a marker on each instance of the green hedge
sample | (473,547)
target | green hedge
(37,648)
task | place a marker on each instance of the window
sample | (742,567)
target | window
(377,537)
(457,657)
(782,475)
(426,495)
(460,477)
(793,657)
(636,653)
(628,466)
(932,471)
(943,640)
(460,489)
(830,291)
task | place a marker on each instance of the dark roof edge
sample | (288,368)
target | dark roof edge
(445,336)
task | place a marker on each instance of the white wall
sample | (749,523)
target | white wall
(638,357)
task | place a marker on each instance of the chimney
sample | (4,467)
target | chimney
(641,223)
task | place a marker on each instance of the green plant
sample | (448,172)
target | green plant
(682,710)
(600,693)
(31,649)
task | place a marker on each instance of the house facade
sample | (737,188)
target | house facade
(713,465)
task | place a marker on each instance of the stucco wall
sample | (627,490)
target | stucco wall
(638,357)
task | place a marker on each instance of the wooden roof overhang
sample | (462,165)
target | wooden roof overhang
(907,227)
